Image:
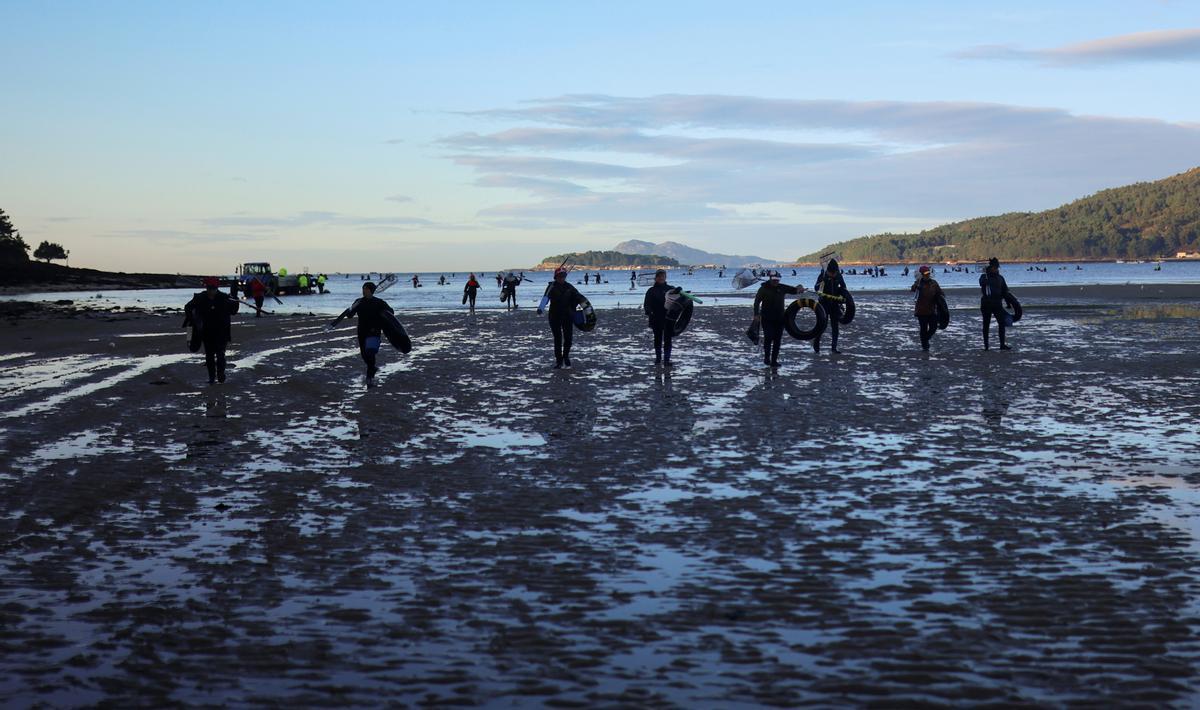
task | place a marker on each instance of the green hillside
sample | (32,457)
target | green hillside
(604,259)
(1143,220)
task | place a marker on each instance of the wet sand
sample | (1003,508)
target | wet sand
(880,527)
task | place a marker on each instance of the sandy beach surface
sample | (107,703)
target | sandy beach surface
(879,527)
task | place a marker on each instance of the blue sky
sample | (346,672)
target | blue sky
(430,136)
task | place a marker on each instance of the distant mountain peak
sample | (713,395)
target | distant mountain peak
(685,254)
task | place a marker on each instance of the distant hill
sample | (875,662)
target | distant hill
(1144,220)
(606,260)
(689,255)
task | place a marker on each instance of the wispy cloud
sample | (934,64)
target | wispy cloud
(398,198)
(1156,46)
(906,160)
(314,218)
(176,236)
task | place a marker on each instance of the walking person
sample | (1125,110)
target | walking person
(208,312)
(769,310)
(470,291)
(369,311)
(321,279)
(416,281)
(561,297)
(928,290)
(655,307)
(830,288)
(509,293)
(258,291)
(993,288)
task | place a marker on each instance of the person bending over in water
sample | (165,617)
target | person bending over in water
(655,306)
(831,283)
(369,310)
(470,291)
(926,309)
(993,288)
(562,298)
(768,309)
(209,312)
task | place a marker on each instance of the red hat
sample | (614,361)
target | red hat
(924,269)
(211,282)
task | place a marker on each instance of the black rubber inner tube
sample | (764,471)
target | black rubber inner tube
(942,311)
(685,317)
(584,317)
(789,319)
(847,308)
(1014,305)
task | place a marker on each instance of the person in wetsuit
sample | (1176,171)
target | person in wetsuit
(768,309)
(471,290)
(209,311)
(993,288)
(925,310)
(369,310)
(258,291)
(511,281)
(830,283)
(655,306)
(562,297)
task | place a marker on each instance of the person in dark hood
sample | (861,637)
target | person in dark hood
(209,312)
(369,311)
(769,309)
(925,310)
(993,288)
(831,288)
(561,297)
(655,306)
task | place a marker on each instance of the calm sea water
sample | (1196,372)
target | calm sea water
(614,291)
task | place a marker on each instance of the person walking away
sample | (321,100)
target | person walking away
(830,288)
(321,279)
(993,288)
(655,306)
(768,310)
(209,311)
(470,291)
(258,291)
(586,275)
(632,279)
(369,310)
(925,310)
(416,281)
(499,279)
(562,297)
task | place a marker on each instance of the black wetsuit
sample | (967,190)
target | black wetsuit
(926,308)
(655,306)
(768,306)
(834,286)
(563,299)
(211,316)
(471,289)
(370,325)
(992,289)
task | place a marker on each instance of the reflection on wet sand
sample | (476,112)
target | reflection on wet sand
(959,527)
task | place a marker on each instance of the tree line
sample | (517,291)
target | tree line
(602,259)
(1139,221)
(14,250)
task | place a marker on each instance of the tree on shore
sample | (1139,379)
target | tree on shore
(12,247)
(50,250)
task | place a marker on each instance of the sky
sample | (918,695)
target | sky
(450,136)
